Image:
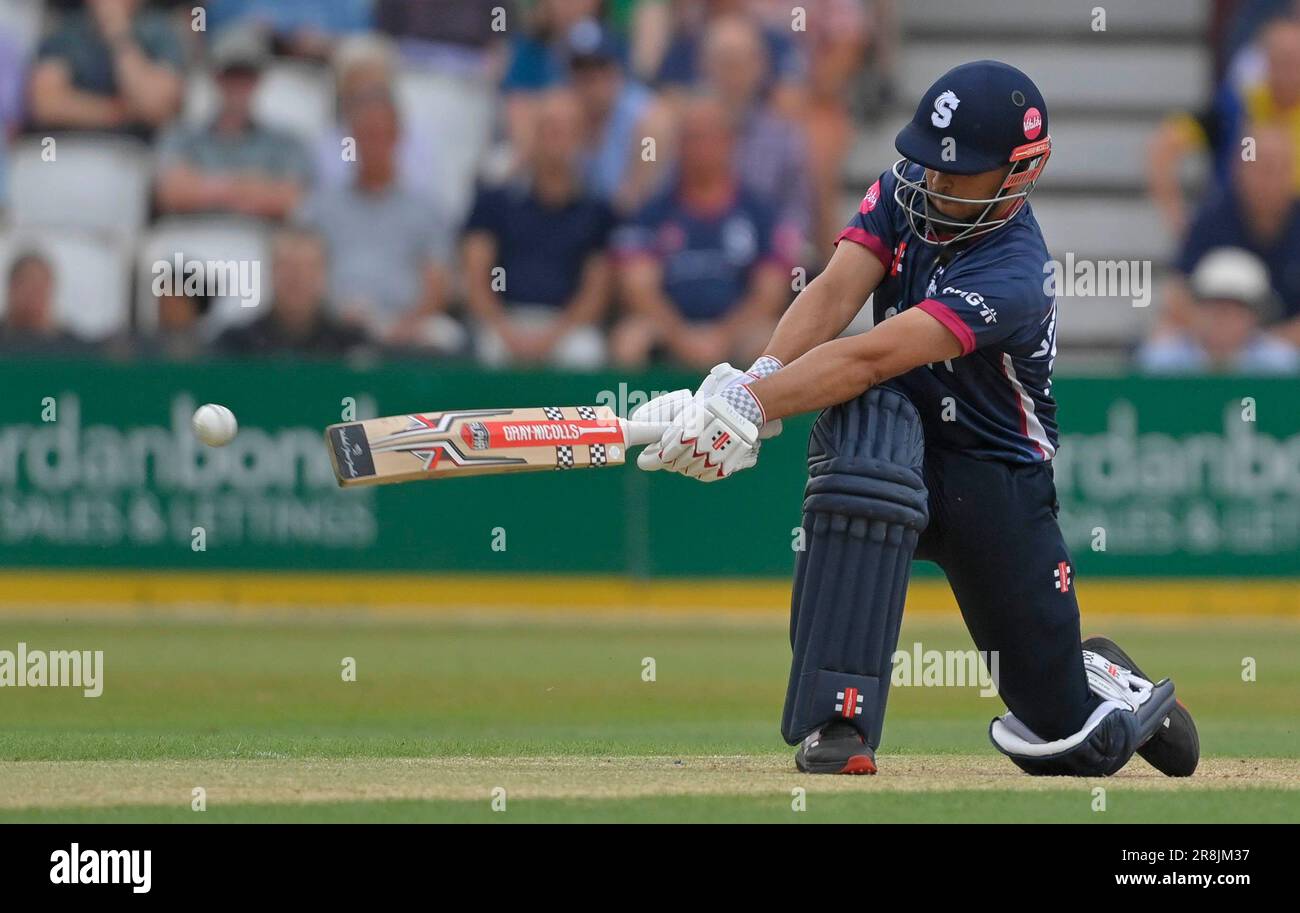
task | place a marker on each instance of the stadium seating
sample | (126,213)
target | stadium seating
(95,182)
(92,277)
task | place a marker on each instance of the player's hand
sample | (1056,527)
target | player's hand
(662,409)
(724,376)
(666,408)
(709,440)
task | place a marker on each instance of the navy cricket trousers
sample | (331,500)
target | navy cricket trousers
(993,532)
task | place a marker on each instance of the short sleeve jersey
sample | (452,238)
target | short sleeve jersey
(995,401)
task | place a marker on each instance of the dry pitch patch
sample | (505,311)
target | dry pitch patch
(104,784)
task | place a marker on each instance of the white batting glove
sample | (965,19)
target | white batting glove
(723,377)
(663,408)
(707,441)
(724,380)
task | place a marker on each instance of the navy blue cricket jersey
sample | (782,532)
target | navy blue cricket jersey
(995,401)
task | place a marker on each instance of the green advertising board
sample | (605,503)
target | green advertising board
(99,469)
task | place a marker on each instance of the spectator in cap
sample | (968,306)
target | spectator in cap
(1232,302)
(108,67)
(233,164)
(547,237)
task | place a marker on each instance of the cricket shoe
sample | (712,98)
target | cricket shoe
(1175,748)
(836,748)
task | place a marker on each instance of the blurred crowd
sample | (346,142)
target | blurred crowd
(1233,301)
(571,182)
(565,182)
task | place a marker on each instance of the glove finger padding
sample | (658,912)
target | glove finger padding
(663,408)
(721,377)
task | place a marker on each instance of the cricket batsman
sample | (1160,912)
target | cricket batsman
(935,442)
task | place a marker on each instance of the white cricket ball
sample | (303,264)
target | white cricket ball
(214,425)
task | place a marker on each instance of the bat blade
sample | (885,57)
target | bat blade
(435,445)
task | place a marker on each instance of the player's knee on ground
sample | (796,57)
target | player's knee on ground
(1130,712)
(864,507)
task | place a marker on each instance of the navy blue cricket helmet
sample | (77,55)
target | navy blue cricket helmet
(977,117)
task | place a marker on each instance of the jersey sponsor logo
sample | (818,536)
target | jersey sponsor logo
(944,105)
(1033,123)
(871,199)
(975,300)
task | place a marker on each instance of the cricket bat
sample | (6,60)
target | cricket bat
(438,445)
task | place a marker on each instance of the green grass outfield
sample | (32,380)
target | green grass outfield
(557,715)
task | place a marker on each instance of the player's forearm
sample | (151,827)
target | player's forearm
(815,317)
(830,373)
(842,369)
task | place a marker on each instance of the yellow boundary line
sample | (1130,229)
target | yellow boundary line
(158,592)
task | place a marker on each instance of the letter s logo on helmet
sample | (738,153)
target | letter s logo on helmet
(944,105)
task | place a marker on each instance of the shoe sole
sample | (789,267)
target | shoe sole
(858,764)
(1153,749)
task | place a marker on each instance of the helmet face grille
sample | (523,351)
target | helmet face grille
(933,227)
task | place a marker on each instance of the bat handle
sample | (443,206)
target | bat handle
(637,433)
